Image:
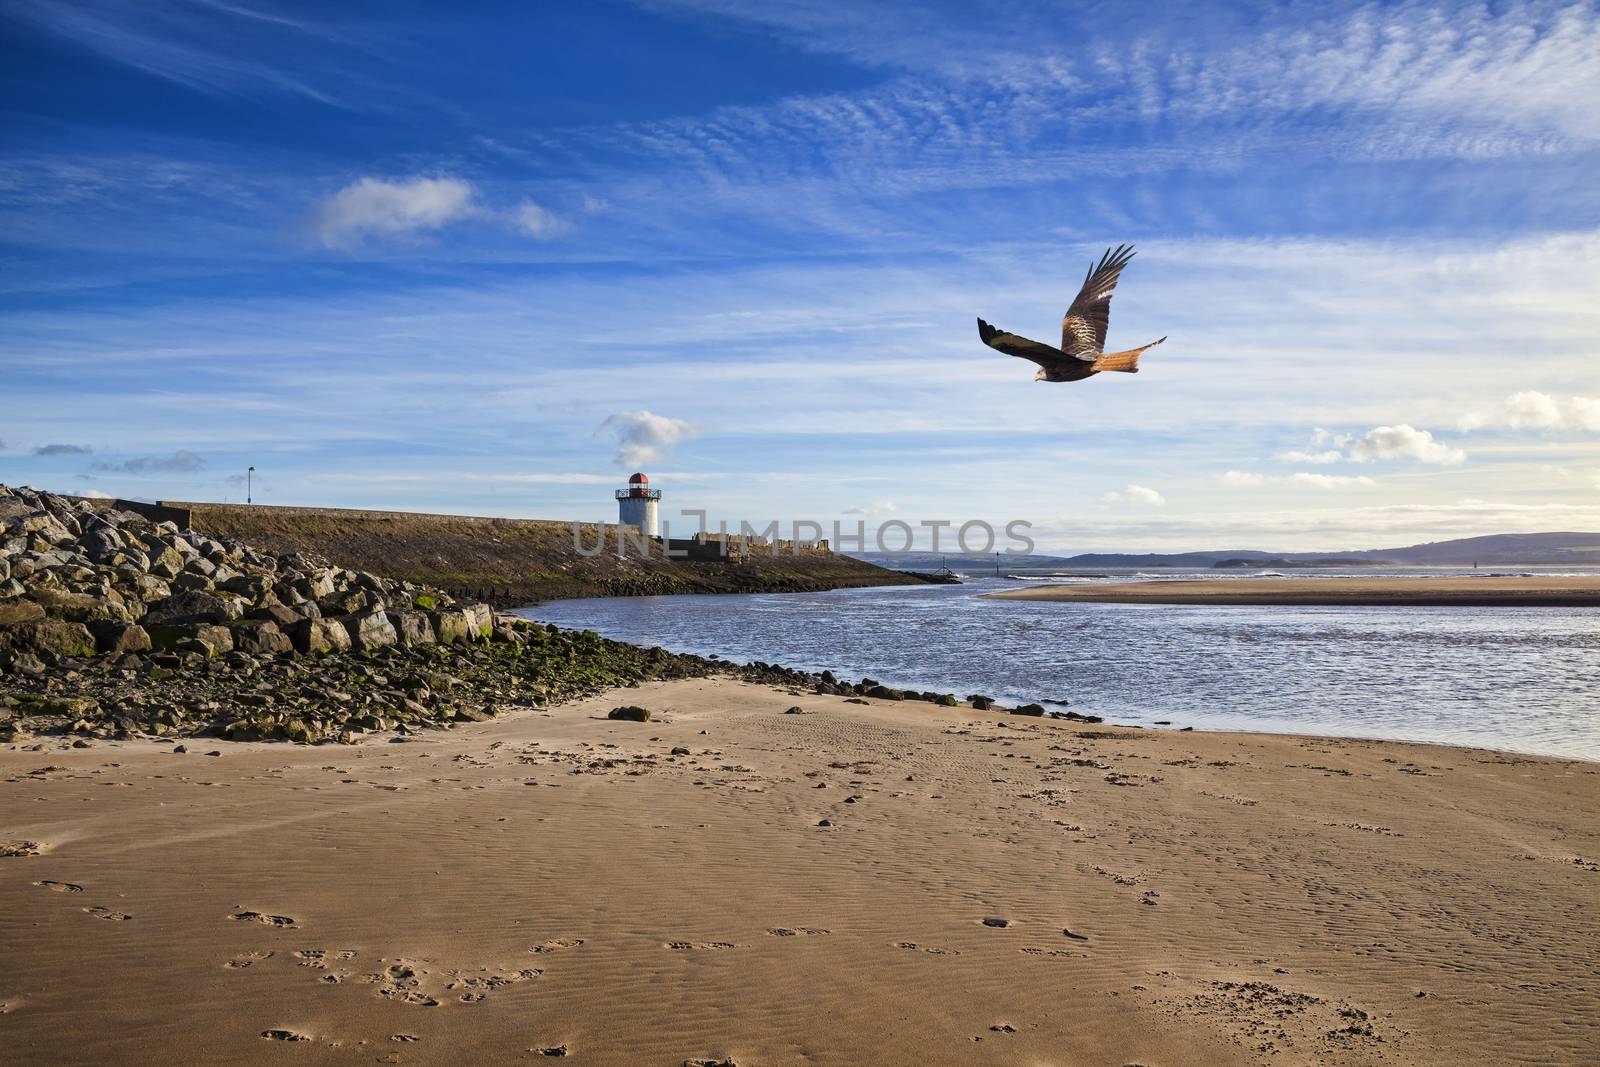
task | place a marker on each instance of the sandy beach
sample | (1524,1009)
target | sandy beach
(885,884)
(1564,591)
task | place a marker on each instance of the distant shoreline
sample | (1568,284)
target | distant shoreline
(1566,591)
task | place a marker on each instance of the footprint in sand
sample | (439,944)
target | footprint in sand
(699,946)
(319,958)
(556,944)
(262,918)
(998,924)
(474,988)
(20,848)
(283,1035)
(239,963)
(106,913)
(912,946)
(784,931)
(400,982)
(60,887)
(729,1062)
(550,1050)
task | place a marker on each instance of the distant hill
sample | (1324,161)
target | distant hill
(1498,550)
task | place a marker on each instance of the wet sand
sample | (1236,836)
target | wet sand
(1370,592)
(1010,891)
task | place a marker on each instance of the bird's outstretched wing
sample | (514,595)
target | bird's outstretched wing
(1016,345)
(1083,329)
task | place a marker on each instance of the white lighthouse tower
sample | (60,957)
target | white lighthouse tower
(637,505)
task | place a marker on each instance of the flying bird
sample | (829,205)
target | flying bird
(1083,330)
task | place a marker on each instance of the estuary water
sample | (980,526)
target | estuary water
(1516,679)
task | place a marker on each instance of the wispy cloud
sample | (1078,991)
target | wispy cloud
(180,462)
(62,450)
(1250,480)
(539,222)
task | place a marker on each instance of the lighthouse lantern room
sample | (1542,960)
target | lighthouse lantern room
(637,504)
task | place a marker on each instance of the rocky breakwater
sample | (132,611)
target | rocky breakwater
(112,625)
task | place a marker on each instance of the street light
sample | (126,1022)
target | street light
(249,484)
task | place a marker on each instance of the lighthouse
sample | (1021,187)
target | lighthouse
(636,505)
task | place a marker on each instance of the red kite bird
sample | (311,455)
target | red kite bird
(1083,330)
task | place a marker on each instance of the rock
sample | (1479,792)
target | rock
(18,611)
(370,630)
(1036,710)
(54,637)
(115,638)
(680,751)
(193,607)
(261,636)
(883,692)
(474,714)
(796,710)
(319,635)
(629,713)
(212,640)
(349,602)
(481,619)
(77,607)
(413,627)
(981,703)
(452,627)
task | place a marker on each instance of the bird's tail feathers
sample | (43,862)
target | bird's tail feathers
(1127,362)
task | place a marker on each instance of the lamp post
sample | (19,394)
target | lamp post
(249,484)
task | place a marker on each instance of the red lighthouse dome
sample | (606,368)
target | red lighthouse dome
(639,479)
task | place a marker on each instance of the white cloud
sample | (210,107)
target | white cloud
(1584,411)
(1251,480)
(1402,441)
(643,437)
(1531,410)
(540,222)
(1242,479)
(1330,481)
(877,507)
(1136,494)
(1299,456)
(373,205)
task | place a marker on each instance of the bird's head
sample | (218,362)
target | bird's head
(1038,375)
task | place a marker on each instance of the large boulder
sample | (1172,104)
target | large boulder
(260,635)
(164,562)
(481,617)
(413,627)
(319,635)
(56,636)
(116,638)
(192,607)
(215,640)
(13,612)
(453,627)
(348,602)
(79,607)
(370,630)
(102,543)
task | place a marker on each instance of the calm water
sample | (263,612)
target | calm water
(1519,679)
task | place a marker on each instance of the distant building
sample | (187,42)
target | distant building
(638,504)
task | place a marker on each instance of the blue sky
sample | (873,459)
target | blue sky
(492,257)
